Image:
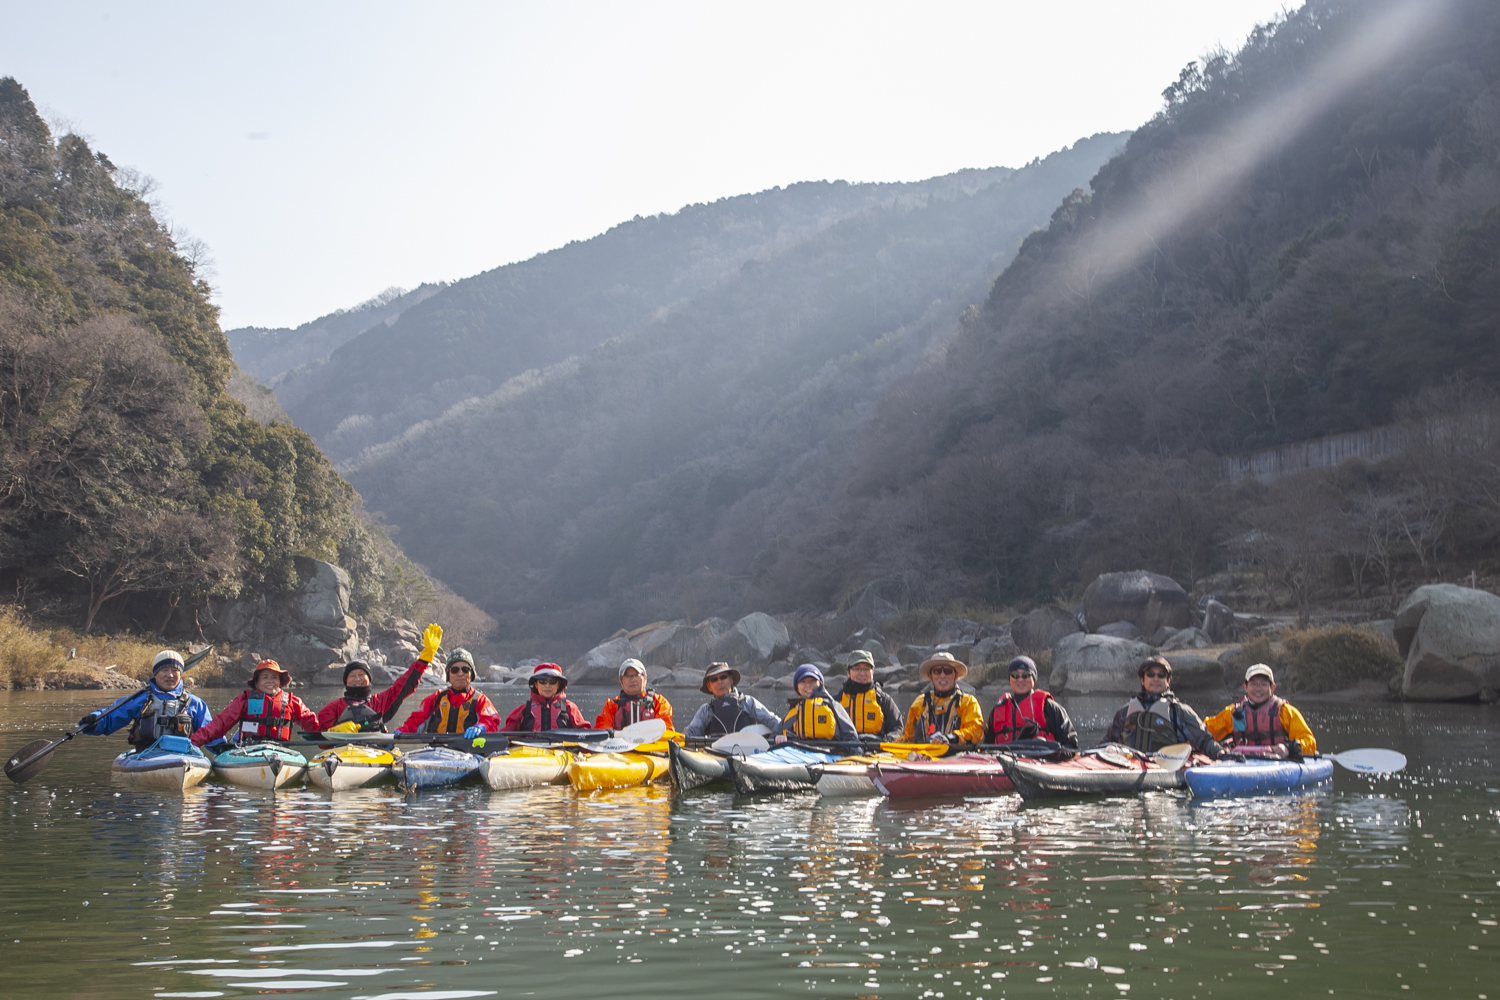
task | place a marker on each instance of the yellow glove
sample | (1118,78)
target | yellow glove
(432,638)
(345,727)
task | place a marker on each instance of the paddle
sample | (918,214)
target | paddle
(645,731)
(28,761)
(1171,758)
(742,742)
(1370,760)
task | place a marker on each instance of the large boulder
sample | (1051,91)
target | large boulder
(1146,600)
(1218,622)
(601,665)
(958,630)
(305,631)
(755,641)
(1121,630)
(1086,663)
(1041,629)
(1187,638)
(1450,638)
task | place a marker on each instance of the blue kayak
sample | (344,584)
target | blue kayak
(171,762)
(781,770)
(434,767)
(1256,777)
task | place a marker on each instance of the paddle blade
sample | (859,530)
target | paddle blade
(1371,760)
(197,657)
(28,761)
(742,742)
(1171,758)
(645,731)
(757,729)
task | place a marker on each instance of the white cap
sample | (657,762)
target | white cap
(633,663)
(1259,670)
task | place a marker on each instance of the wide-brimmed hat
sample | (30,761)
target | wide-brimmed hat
(1259,670)
(859,656)
(543,670)
(944,659)
(286,678)
(714,670)
(633,663)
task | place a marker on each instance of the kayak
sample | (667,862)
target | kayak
(592,771)
(260,765)
(963,774)
(434,767)
(172,762)
(849,776)
(696,768)
(525,766)
(1109,772)
(351,766)
(1256,777)
(784,769)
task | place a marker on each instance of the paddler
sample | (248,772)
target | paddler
(458,708)
(873,710)
(1027,712)
(371,712)
(161,708)
(262,713)
(1260,719)
(727,710)
(635,702)
(1155,718)
(944,714)
(548,707)
(814,714)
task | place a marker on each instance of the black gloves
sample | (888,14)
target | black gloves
(87,722)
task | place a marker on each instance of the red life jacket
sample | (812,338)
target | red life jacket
(549,715)
(1258,726)
(447,717)
(1010,717)
(630,710)
(267,718)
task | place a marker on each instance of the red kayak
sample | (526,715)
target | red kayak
(962,774)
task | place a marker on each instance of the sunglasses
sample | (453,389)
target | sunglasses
(1020,673)
(942,670)
(1158,674)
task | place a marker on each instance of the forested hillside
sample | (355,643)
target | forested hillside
(663,471)
(134,485)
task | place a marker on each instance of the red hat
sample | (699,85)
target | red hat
(549,670)
(286,678)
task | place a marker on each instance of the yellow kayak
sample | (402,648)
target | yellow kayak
(588,772)
(523,767)
(351,766)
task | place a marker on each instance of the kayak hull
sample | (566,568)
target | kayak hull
(434,767)
(525,767)
(261,765)
(844,780)
(696,768)
(1257,777)
(963,775)
(591,772)
(1087,775)
(784,769)
(343,768)
(172,763)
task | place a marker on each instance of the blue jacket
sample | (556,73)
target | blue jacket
(125,711)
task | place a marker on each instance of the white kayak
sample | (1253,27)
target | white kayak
(353,766)
(525,766)
(260,765)
(172,762)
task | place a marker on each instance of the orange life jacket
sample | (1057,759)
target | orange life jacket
(447,717)
(267,718)
(1011,715)
(1258,725)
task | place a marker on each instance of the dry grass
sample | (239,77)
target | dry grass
(28,652)
(1325,658)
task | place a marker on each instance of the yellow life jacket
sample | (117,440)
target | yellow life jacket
(812,719)
(864,708)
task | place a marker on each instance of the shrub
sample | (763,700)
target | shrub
(25,655)
(1334,657)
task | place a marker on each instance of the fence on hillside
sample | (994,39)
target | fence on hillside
(1319,453)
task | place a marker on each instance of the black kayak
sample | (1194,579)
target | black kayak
(784,769)
(1093,773)
(696,768)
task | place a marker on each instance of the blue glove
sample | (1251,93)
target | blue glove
(473,731)
(87,722)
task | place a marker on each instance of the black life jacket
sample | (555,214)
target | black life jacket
(447,717)
(1148,729)
(362,713)
(550,715)
(863,705)
(159,717)
(727,715)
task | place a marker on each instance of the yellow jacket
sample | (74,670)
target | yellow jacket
(963,722)
(1221,726)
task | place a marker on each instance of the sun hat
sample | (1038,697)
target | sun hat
(545,670)
(715,669)
(285,677)
(943,659)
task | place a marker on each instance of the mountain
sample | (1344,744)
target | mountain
(622,447)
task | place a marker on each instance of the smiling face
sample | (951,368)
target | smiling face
(806,686)
(861,673)
(267,681)
(1022,684)
(167,676)
(632,682)
(944,679)
(1259,688)
(357,679)
(1156,680)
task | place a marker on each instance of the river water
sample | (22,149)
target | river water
(1369,887)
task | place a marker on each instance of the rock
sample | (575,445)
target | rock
(884,675)
(784,668)
(1450,639)
(601,665)
(1085,663)
(331,676)
(1218,622)
(755,640)
(497,674)
(1122,630)
(654,645)
(682,677)
(958,630)
(867,607)
(914,654)
(993,649)
(305,631)
(808,654)
(1188,638)
(1196,673)
(958,650)
(1040,630)
(876,648)
(1146,600)
(857,640)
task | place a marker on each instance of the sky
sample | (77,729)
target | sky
(326,151)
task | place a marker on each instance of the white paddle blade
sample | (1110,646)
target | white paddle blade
(757,729)
(1171,758)
(1371,760)
(645,731)
(743,742)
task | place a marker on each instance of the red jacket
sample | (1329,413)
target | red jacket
(559,711)
(234,712)
(384,703)
(484,712)
(651,706)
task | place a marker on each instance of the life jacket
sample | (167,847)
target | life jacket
(1012,715)
(159,717)
(813,719)
(1259,726)
(727,715)
(362,713)
(864,708)
(550,715)
(447,717)
(630,709)
(1150,729)
(939,719)
(267,717)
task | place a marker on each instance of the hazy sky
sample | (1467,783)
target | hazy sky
(325,151)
